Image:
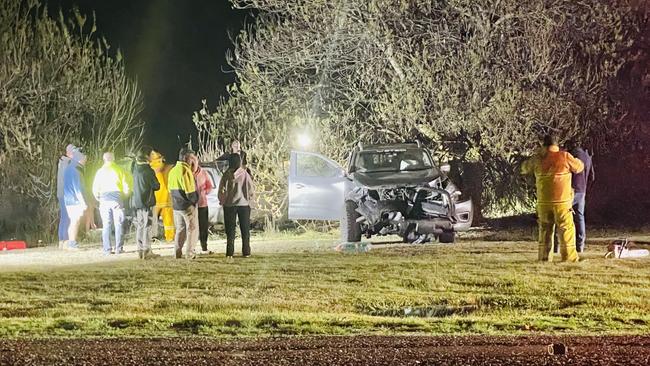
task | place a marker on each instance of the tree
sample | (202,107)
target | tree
(58,85)
(478,81)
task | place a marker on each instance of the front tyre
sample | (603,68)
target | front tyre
(350,228)
(447,237)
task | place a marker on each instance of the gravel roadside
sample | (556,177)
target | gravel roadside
(357,350)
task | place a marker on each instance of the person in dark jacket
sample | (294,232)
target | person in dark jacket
(236,149)
(235,195)
(579,182)
(143,199)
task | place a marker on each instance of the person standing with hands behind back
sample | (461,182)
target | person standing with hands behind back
(235,193)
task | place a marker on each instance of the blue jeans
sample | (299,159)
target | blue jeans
(64,221)
(579,220)
(112,214)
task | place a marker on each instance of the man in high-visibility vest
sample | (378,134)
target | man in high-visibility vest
(182,186)
(552,169)
(163,197)
(111,188)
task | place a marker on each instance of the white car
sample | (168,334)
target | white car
(386,190)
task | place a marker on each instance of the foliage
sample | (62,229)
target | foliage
(58,85)
(487,77)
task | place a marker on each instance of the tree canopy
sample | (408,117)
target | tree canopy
(58,85)
(477,81)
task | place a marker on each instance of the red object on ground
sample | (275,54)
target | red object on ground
(12,245)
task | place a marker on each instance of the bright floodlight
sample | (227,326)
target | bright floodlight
(304,140)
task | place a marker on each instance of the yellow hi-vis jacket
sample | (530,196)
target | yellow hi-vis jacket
(111,183)
(552,169)
(182,186)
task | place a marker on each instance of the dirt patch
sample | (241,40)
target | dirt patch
(360,350)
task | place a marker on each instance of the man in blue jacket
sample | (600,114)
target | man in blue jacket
(64,222)
(74,196)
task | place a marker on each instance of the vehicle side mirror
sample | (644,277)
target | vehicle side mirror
(445,168)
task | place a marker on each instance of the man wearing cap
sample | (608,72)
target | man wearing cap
(74,196)
(111,188)
(64,221)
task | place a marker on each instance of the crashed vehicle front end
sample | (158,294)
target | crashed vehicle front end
(388,189)
(415,213)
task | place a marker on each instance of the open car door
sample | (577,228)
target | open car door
(316,187)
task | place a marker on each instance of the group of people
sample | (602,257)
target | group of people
(561,179)
(178,194)
(151,188)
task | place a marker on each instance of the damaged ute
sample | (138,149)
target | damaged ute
(386,190)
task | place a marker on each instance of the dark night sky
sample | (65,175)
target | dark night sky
(175,49)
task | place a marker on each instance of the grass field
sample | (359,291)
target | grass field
(299,286)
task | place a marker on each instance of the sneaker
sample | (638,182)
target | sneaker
(62,244)
(229,259)
(72,245)
(247,256)
(121,251)
(205,252)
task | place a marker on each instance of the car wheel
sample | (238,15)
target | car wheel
(350,228)
(447,237)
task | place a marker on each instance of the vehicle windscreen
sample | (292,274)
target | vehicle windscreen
(397,160)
